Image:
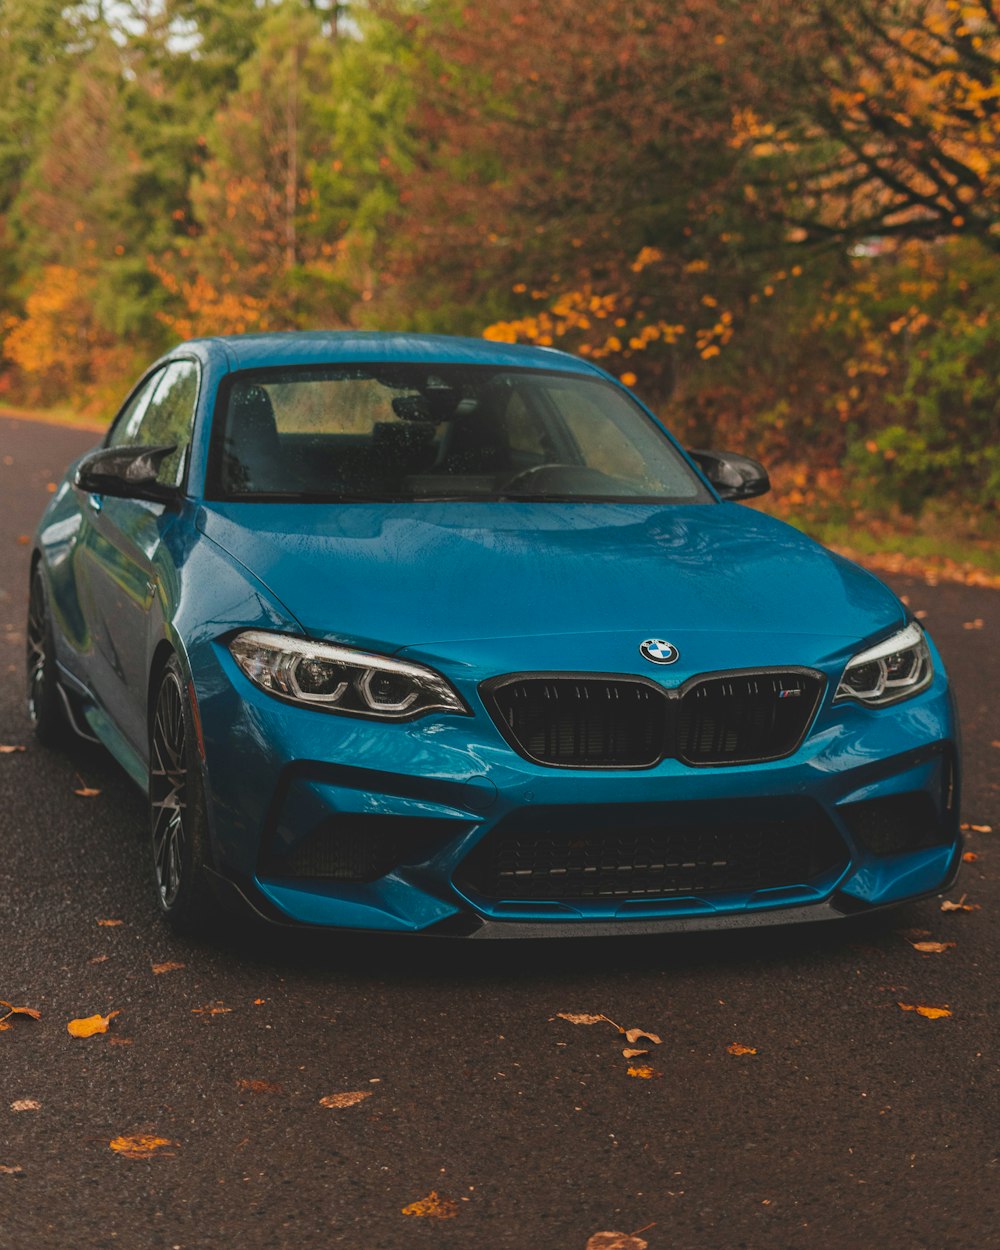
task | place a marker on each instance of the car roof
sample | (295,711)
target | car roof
(315,347)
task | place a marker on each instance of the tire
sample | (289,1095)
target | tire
(177,819)
(45,708)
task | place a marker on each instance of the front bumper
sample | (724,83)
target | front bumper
(418,798)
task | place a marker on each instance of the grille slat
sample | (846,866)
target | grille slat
(626,722)
(627,857)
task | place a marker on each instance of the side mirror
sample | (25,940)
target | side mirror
(125,473)
(733,476)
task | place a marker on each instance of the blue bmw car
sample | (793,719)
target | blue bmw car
(434,635)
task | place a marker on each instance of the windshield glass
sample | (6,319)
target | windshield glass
(429,432)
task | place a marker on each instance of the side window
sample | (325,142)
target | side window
(162,412)
(125,429)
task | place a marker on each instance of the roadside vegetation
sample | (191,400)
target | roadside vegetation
(778,222)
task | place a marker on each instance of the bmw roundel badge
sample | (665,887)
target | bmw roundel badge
(659,652)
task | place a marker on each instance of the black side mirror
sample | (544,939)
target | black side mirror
(125,472)
(732,475)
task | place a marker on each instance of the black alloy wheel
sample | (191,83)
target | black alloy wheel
(176,806)
(44,704)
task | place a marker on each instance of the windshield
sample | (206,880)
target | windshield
(409,432)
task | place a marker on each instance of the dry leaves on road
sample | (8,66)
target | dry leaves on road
(10,750)
(170,966)
(617,1241)
(932,948)
(141,1145)
(26,1104)
(961,905)
(8,1170)
(110,924)
(31,1012)
(929,1013)
(260,1087)
(644,1072)
(970,828)
(89,1026)
(735,1048)
(976,624)
(969,857)
(87,792)
(575,1018)
(433,1206)
(348,1099)
(213,1009)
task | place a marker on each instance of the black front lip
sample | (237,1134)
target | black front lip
(469,925)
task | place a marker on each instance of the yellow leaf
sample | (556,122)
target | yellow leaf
(345,1100)
(616,1241)
(635,1035)
(929,1013)
(736,1049)
(159,969)
(139,1146)
(644,1073)
(32,1012)
(434,1206)
(90,1025)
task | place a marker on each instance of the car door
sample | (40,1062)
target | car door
(121,563)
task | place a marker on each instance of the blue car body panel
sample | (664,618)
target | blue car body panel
(476,591)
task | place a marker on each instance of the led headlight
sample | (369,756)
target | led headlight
(893,670)
(338,679)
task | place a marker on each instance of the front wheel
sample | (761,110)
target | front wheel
(177,809)
(44,701)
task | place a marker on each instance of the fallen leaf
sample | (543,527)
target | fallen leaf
(736,1049)
(212,1010)
(635,1035)
(644,1073)
(929,1013)
(932,948)
(4,1026)
(87,792)
(98,959)
(978,828)
(631,1053)
(90,1025)
(259,1002)
(345,1100)
(23,539)
(583,1019)
(26,1104)
(51,487)
(259,1087)
(961,905)
(969,857)
(616,1241)
(110,924)
(434,1206)
(976,624)
(996,743)
(16,1170)
(31,1012)
(159,969)
(119,1041)
(139,1146)
(10,750)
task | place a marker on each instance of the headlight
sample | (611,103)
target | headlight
(895,669)
(338,679)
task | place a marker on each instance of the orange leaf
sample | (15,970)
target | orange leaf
(736,1049)
(90,1025)
(26,1104)
(961,905)
(213,1010)
(929,1013)
(87,793)
(159,969)
(932,948)
(630,1052)
(16,1170)
(260,1087)
(573,1018)
(969,857)
(636,1035)
(139,1146)
(435,1207)
(109,924)
(9,750)
(616,1241)
(32,1012)
(644,1073)
(345,1100)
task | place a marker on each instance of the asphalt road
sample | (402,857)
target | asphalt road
(854,1123)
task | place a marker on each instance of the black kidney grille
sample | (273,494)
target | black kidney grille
(650,860)
(588,721)
(622,722)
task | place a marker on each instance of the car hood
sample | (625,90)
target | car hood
(471,583)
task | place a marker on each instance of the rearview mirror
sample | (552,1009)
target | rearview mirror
(125,473)
(733,476)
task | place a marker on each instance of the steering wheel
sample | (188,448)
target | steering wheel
(541,479)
